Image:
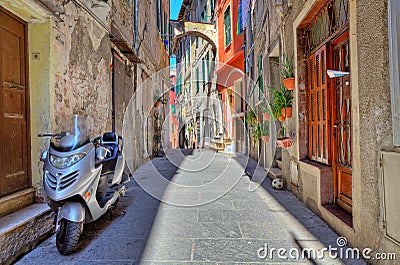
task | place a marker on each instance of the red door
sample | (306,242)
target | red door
(14,160)
(342,125)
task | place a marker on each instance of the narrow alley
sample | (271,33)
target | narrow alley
(228,230)
(199,132)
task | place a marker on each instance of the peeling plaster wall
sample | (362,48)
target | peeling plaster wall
(74,72)
(81,68)
(123,17)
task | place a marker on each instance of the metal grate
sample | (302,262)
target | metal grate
(67,180)
(51,180)
(332,17)
(60,182)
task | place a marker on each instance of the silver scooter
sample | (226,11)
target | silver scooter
(83,178)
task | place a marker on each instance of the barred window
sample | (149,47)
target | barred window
(228,27)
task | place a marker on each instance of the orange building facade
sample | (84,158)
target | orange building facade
(231,70)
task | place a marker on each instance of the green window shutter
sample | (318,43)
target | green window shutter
(260,76)
(197,80)
(204,71)
(228,26)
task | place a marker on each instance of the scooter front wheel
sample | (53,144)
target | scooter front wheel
(67,236)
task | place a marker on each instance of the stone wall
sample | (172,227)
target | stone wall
(25,237)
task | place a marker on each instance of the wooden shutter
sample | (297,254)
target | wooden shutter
(317,107)
(311,107)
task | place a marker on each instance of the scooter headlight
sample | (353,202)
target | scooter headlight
(67,161)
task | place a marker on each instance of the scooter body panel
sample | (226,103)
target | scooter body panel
(72,211)
(61,184)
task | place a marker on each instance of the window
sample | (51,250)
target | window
(228,27)
(159,16)
(238,96)
(197,80)
(317,107)
(203,69)
(240,19)
(394,48)
(260,77)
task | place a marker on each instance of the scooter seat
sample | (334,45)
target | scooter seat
(110,141)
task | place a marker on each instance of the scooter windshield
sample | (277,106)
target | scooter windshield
(70,134)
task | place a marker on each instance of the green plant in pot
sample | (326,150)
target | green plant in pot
(283,99)
(250,117)
(265,131)
(159,100)
(266,111)
(277,112)
(261,131)
(287,74)
(257,131)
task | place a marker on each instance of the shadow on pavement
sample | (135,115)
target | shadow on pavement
(306,228)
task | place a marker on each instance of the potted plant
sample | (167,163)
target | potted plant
(287,74)
(283,99)
(158,101)
(264,128)
(266,112)
(250,117)
(277,112)
(257,131)
(282,140)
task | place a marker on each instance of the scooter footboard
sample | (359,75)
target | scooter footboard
(72,211)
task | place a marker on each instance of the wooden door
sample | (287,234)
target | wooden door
(14,161)
(342,125)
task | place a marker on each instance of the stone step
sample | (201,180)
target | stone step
(22,230)
(274,173)
(16,201)
(279,163)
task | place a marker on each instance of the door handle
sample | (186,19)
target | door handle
(12,85)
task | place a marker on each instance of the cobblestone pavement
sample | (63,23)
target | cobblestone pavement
(206,215)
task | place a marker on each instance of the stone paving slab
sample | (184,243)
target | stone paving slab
(239,250)
(197,230)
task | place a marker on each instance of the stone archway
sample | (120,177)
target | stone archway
(206,31)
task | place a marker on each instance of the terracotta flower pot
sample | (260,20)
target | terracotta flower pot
(156,104)
(265,138)
(284,142)
(289,83)
(266,116)
(287,112)
(281,118)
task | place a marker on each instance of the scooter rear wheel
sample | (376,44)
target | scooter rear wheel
(67,236)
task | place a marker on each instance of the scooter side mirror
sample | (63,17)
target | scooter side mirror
(101,153)
(44,154)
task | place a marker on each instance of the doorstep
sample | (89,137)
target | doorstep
(22,230)
(274,172)
(16,201)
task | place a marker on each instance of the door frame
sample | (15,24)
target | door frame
(27,95)
(343,37)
